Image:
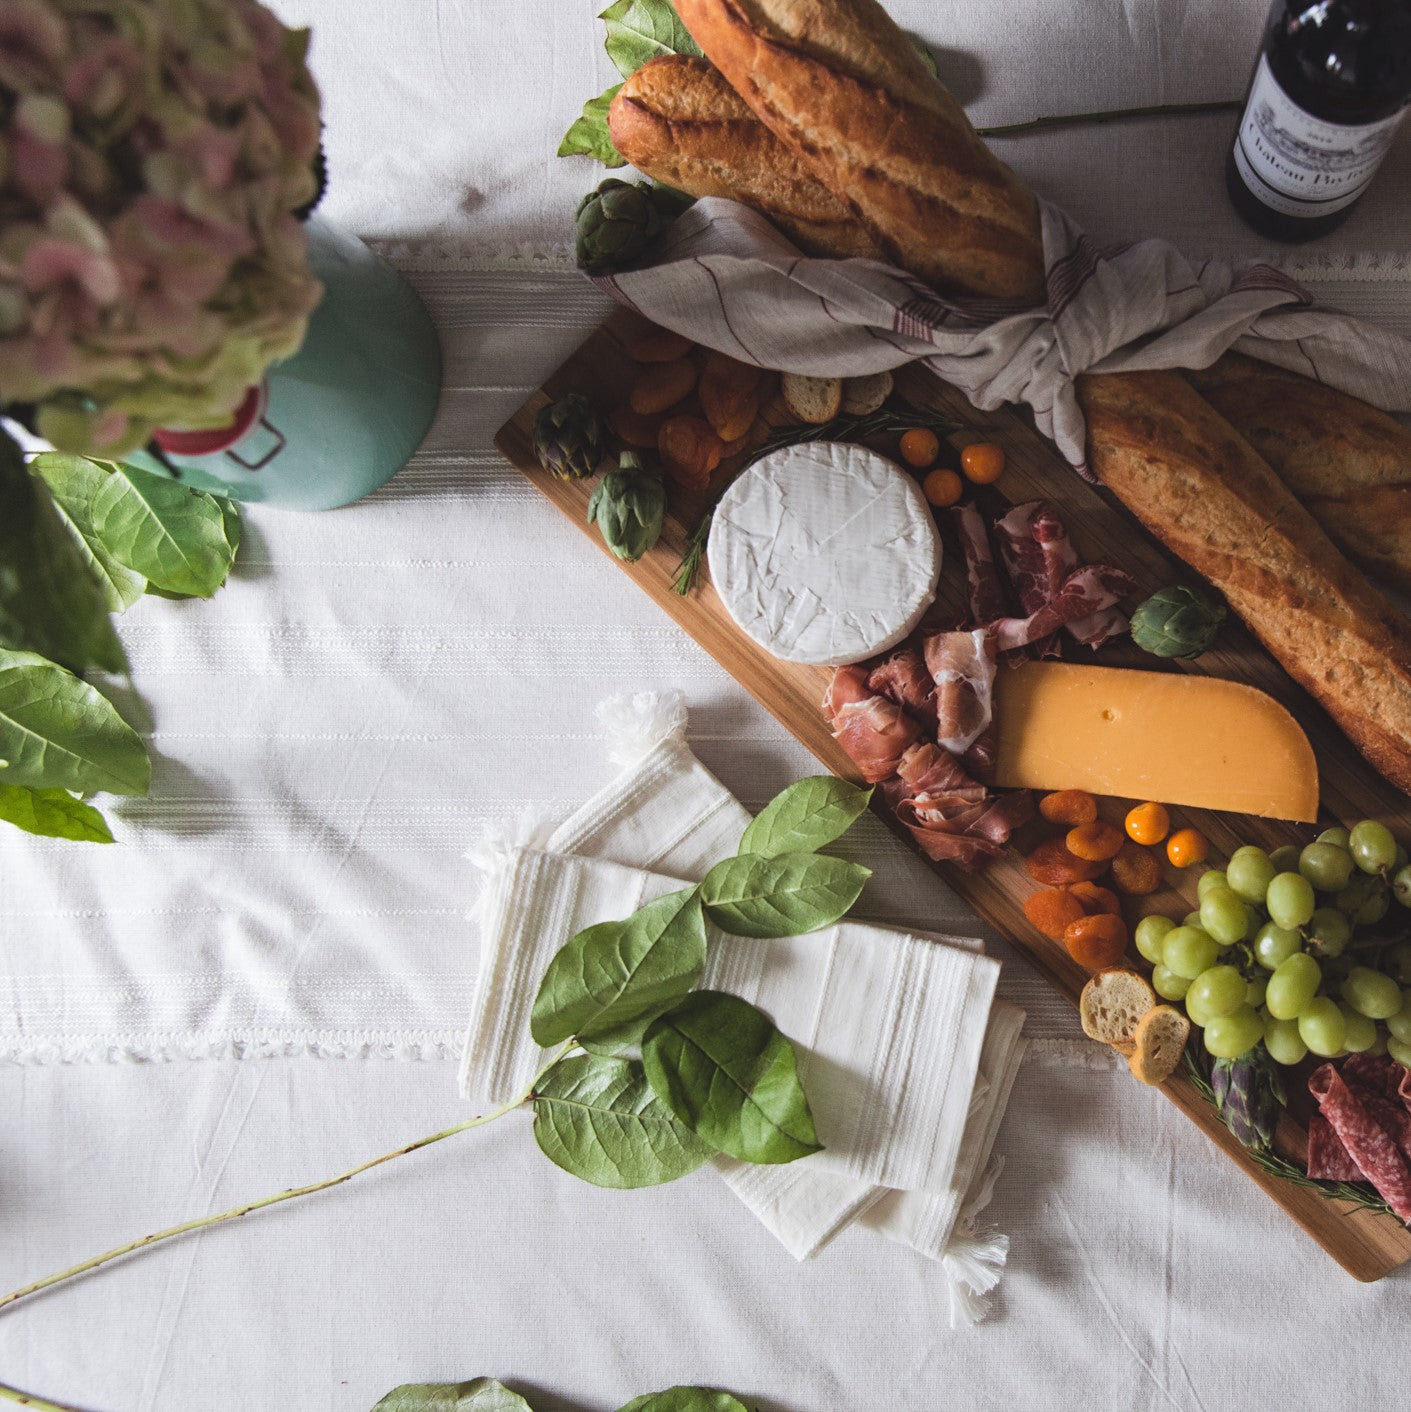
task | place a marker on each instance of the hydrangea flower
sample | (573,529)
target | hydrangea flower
(153,154)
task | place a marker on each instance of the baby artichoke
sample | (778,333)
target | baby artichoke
(569,437)
(1249,1095)
(629,506)
(1177,622)
(615,224)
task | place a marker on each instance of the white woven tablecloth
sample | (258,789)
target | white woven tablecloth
(374,682)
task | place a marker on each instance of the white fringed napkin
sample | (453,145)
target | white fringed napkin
(907,1061)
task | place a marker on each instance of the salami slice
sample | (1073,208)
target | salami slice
(1327,1157)
(1366,1141)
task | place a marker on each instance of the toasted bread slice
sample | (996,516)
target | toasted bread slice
(1112,1005)
(813,400)
(1158,1044)
(862,395)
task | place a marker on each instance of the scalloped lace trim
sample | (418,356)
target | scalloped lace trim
(415,1046)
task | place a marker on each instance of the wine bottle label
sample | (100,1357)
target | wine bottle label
(1300,165)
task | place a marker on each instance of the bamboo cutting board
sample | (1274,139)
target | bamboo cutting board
(1367,1244)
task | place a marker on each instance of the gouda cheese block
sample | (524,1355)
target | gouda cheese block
(1177,739)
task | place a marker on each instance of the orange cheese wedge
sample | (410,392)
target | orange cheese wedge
(1177,739)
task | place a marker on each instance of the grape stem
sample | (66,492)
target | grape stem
(10,1394)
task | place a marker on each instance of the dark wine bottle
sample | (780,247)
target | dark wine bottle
(1330,88)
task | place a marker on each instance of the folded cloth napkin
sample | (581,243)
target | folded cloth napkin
(907,1062)
(729,279)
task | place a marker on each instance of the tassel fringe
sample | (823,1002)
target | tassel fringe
(637,722)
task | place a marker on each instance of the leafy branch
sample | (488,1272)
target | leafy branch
(649,1076)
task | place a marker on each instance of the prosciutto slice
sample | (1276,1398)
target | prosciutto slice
(874,731)
(1044,569)
(962,666)
(984,591)
(1364,1120)
(903,678)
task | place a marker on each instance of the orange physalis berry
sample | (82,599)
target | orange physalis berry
(1069,806)
(1096,941)
(1148,823)
(1096,899)
(1098,840)
(942,488)
(1052,911)
(1185,847)
(919,447)
(983,462)
(1136,870)
(1053,865)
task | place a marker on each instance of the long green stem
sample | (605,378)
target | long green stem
(10,1394)
(1112,115)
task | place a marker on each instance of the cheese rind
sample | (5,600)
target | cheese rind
(824,553)
(1173,738)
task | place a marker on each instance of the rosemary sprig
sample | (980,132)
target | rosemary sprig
(1359,1194)
(1112,115)
(845,428)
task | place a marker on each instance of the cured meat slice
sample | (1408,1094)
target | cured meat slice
(874,731)
(1365,1140)
(952,817)
(984,591)
(1327,1157)
(903,678)
(962,665)
(1087,594)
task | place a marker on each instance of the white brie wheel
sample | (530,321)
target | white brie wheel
(825,553)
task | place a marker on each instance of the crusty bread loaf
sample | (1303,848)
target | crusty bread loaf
(1112,1005)
(677,121)
(841,86)
(1158,1044)
(1349,463)
(810,399)
(1215,503)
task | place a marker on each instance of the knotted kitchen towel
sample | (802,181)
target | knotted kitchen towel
(907,1061)
(727,278)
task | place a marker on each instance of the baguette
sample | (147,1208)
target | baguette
(1349,463)
(841,87)
(677,121)
(1210,498)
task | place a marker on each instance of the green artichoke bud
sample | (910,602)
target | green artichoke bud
(1249,1095)
(569,437)
(1177,622)
(615,224)
(629,506)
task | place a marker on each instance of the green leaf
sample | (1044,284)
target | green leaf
(230,522)
(621,974)
(807,816)
(478,1395)
(57,732)
(174,536)
(723,1069)
(53,813)
(639,30)
(50,601)
(73,481)
(589,135)
(599,1119)
(755,895)
(686,1399)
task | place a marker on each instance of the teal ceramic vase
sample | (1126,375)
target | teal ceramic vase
(344,414)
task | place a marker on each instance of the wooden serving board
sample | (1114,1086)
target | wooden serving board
(1367,1244)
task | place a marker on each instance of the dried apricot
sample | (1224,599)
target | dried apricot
(690,451)
(1186,847)
(1052,911)
(1053,865)
(1093,898)
(919,447)
(661,385)
(1136,870)
(983,462)
(635,429)
(1148,823)
(942,488)
(650,343)
(1069,806)
(729,392)
(1098,840)
(1096,941)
